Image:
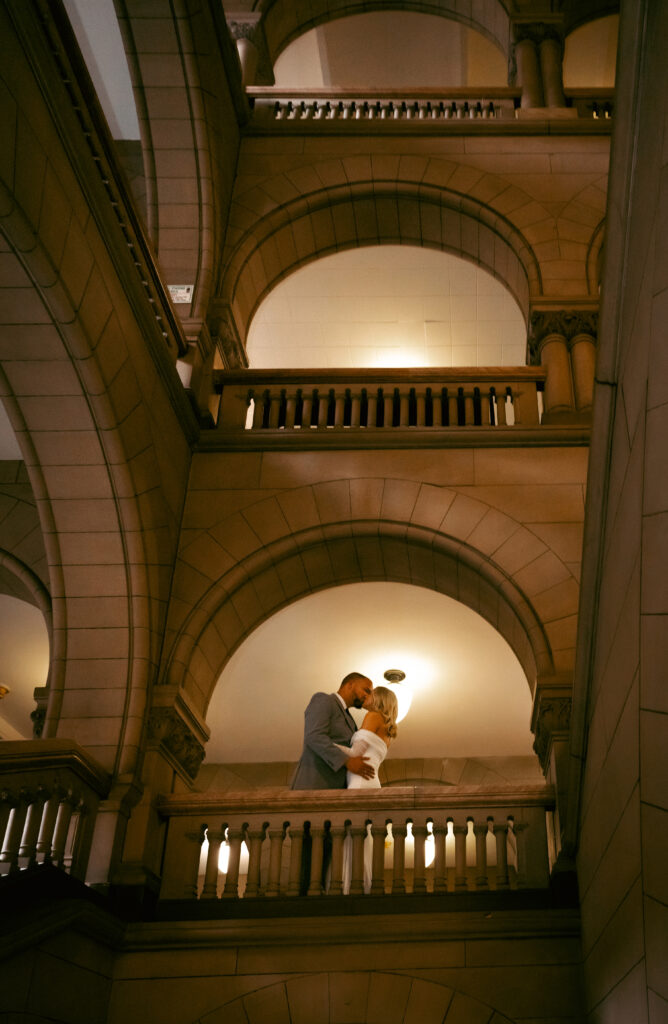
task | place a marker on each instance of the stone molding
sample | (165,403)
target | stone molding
(226,336)
(249,26)
(551,719)
(564,322)
(537,32)
(168,729)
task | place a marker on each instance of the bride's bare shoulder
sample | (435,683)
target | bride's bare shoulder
(374,722)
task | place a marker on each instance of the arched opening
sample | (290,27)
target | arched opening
(391,49)
(24,642)
(470,697)
(590,54)
(388,306)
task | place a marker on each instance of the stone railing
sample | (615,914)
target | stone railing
(420,107)
(320,402)
(414,840)
(49,795)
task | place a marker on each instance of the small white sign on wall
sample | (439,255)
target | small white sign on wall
(181,292)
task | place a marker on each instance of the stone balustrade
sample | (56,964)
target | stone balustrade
(49,796)
(320,107)
(313,401)
(420,840)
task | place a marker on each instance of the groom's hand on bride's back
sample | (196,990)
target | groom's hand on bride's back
(360,766)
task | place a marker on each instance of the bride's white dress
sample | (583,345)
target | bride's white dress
(369,745)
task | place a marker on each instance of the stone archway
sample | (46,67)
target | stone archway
(284,20)
(311,560)
(374,213)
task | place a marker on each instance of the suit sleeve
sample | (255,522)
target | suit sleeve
(317,732)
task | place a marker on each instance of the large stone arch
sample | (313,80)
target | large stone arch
(98,438)
(374,213)
(285,20)
(318,558)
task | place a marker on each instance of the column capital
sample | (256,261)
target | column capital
(226,336)
(551,718)
(248,25)
(567,323)
(175,737)
(537,31)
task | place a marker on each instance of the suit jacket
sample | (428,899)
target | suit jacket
(322,765)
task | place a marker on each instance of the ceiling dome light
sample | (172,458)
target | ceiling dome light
(403,694)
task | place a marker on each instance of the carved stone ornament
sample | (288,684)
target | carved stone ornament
(537,32)
(567,323)
(166,727)
(554,716)
(251,29)
(224,333)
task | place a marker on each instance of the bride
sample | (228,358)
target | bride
(370,741)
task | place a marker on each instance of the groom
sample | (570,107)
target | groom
(327,722)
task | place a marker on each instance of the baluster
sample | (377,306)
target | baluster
(17,817)
(388,406)
(6,805)
(461,880)
(440,875)
(65,812)
(356,411)
(399,865)
(28,847)
(274,411)
(338,835)
(453,409)
(501,408)
(521,852)
(234,837)
(47,826)
(339,409)
(210,887)
(261,411)
(421,409)
(254,840)
(357,878)
(307,410)
(477,407)
(323,410)
(501,836)
(296,848)
(315,883)
(378,833)
(437,407)
(404,406)
(469,410)
(371,409)
(276,838)
(480,832)
(419,871)
(290,411)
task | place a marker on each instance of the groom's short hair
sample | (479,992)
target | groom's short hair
(351,676)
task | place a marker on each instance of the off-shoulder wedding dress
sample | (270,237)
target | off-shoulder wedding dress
(365,744)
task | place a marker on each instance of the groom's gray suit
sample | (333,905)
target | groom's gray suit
(322,765)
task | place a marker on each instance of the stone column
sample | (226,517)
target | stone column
(583,359)
(551,57)
(248,33)
(564,342)
(528,73)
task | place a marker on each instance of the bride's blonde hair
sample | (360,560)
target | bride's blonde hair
(385,701)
